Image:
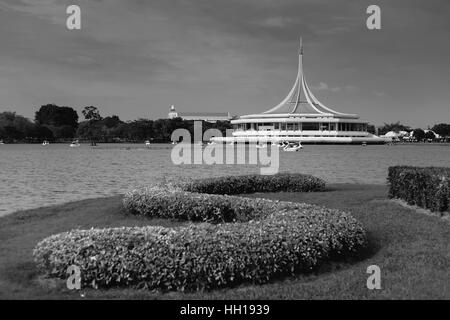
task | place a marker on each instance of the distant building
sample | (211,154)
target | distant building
(300,117)
(200,116)
(396,136)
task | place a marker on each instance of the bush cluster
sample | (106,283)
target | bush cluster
(157,202)
(209,200)
(425,187)
(204,256)
(246,240)
(255,183)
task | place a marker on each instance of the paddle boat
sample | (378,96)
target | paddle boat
(292,147)
(45,143)
(147,143)
(280,144)
(75,144)
(261,146)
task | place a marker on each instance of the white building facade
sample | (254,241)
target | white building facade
(300,117)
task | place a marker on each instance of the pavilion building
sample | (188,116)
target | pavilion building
(300,117)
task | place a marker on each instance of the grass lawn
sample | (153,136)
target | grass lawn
(412,250)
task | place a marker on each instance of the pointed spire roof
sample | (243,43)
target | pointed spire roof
(300,99)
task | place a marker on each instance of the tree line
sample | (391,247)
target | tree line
(418,134)
(60,124)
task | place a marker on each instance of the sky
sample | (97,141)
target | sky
(136,58)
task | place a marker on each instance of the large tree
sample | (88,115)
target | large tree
(419,134)
(91,113)
(56,116)
(141,129)
(62,121)
(429,135)
(42,133)
(91,128)
(15,127)
(112,122)
(442,129)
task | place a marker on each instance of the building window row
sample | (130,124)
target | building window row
(299,126)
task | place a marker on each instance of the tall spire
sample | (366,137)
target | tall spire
(300,99)
(301,46)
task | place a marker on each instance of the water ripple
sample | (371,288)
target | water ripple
(33,176)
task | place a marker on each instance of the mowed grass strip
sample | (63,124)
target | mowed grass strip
(412,250)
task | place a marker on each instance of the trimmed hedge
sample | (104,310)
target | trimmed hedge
(206,200)
(204,256)
(427,187)
(255,183)
(156,202)
(261,240)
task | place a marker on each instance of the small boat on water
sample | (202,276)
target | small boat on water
(364,144)
(45,143)
(75,144)
(1,142)
(279,144)
(147,143)
(292,147)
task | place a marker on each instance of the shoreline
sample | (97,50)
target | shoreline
(170,143)
(52,206)
(56,205)
(330,187)
(81,201)
(398,236)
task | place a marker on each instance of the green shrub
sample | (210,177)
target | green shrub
(202,200)
(156,202)
(425,187)
(255,183)
(252,240)
(292,238)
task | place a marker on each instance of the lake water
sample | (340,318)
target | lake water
(33,175)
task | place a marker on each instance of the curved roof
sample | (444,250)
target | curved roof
(301,101)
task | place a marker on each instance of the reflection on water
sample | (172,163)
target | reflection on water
(35,175)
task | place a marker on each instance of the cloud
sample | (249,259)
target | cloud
(333,30)
(322,86)
(218,54)
(51,10)
(350,88)
(276,22)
